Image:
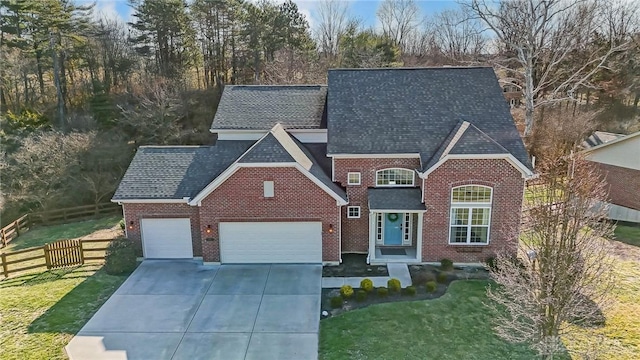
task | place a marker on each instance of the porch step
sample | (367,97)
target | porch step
(398,271)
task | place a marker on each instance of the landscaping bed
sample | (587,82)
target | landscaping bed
(354,265)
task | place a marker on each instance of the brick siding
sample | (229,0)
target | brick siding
(136,212)
(355,232)
(624,185)
(508,188)
(297,198)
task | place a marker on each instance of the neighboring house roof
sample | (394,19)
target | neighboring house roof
(406,111)
(395,199)
(260,107)
(602,138)
(176,172)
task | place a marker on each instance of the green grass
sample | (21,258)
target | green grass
(628,234)
(40,313)
(42,235)
(455,326)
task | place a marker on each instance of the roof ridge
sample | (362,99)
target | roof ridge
(463,128)
(290,146)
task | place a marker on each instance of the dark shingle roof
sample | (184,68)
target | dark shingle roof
(318,171)
(395,199)
(387,111)
(260,107)
(267,150)
(474,141)
(169,172)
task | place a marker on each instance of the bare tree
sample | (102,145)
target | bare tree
(552,45)
(399,20)
(332,22)
(457,36)
(563,271)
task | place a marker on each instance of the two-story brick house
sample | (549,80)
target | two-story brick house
(405,165)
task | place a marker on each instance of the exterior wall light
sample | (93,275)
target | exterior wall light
(208,230)
(130,225)
(330,228)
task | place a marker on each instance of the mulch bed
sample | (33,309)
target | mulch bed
(419,275)
(354,265)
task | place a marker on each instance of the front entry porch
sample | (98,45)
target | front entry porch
(395,237)
(395,225)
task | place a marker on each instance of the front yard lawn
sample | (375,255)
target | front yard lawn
(40,313)
(454,326)
(46,234)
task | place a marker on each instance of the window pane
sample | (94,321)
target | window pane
(394,177)
(475,194)
(479,234)
(459,216)
(480,217)
(354,178)
(459,234)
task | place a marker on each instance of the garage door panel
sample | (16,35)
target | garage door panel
(271,242)
(167,238)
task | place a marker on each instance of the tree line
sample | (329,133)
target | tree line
(76,83)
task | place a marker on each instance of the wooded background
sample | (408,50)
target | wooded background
(79,92)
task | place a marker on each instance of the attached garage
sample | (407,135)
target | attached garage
(271,242)
(166,238)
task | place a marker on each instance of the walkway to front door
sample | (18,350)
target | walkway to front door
(183,310)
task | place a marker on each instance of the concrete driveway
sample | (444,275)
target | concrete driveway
(183,310)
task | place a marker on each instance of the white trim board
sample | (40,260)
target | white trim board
(375,156)
(526,172)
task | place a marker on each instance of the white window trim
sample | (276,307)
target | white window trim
(349,178)
(413,178)
(353,217)
(470,206)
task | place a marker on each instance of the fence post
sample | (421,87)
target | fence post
(81,251)
(3,237)
(47,257)
(5,269)
(17,225)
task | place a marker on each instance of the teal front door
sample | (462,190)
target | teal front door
(392,229)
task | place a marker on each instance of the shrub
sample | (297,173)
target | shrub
(121,223)
(491,263)
(361,296)
(423,277)
(431,286)
(442,278)
(366,285)
(446,265)
(120,257)
(394,285)
(346,291)
(336,302)
(410,291)
(383,292)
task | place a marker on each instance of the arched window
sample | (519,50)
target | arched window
(470,214)
(394,177)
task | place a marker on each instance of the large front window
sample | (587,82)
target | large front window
(470,214)
(394,177)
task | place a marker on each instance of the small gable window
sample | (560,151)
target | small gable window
(353,212)
(353,178)
(268,189)
(394,177)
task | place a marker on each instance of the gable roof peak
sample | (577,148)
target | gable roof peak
(290,146)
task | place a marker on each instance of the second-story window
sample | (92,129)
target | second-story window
(353,178)
(394,177)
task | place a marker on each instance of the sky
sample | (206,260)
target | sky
(362,9)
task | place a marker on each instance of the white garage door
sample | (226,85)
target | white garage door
(271,242)
(167,238)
